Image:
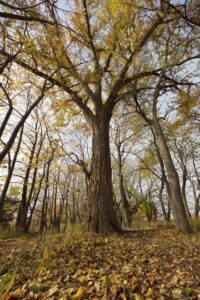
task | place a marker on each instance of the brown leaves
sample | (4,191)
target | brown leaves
(145,265)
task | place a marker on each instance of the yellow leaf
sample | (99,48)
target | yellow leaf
(79,293)
(137,297)
(53,290)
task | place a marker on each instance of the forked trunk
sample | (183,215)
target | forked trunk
(102,217)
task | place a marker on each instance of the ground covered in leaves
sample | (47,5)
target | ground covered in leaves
(142,265)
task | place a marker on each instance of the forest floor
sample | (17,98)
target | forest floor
(154,264)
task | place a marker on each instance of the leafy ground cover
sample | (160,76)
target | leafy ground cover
(152,264)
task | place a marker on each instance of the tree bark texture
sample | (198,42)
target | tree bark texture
(180,216)
(102,216)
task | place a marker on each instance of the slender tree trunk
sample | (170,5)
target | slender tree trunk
(35,199)
(66,196)
(8,179)
(124,200)
(164,180)
(196,200)
(196,172)
(6,119)
(169,198)
(160,196)
(66,217)
(56,220)
(102,218)
(125,204)
(196,197)
(19,125)
(44,200)
(73,209)
(23,207)
(197,206)
(180,217)
(183,165)
(184,181)
(60,213)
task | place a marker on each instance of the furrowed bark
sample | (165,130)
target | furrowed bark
(102,218)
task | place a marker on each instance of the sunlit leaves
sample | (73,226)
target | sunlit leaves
(15,191)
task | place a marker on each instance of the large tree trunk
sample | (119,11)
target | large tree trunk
(102,218)
(180,217)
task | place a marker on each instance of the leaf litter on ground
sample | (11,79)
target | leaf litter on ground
(141,265)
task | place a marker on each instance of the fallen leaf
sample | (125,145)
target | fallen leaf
(123,297)
(53,290)
(79,293)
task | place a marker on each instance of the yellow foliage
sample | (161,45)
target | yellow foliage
(187,103)
(15,191)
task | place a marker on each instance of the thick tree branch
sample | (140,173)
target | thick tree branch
(74,97)
(10,109)
(97,100)
(119,83)
(24,18)
(183,15)
(20,8)
(155,72)
(90,37)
